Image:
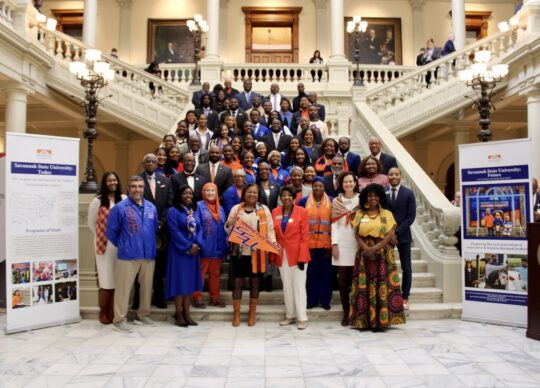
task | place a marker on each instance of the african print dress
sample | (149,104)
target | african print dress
(376,299)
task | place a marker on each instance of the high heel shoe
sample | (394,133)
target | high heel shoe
(181,324)
(189,321)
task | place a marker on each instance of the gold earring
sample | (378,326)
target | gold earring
(366,205)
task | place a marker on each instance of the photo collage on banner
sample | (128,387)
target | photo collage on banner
(496,207)
(41,231)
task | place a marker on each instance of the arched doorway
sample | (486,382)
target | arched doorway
(450,186)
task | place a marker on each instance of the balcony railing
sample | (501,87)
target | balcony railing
(6,7)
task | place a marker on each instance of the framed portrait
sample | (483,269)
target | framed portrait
(379,45)
(169,41)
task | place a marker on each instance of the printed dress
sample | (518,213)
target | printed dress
(376,299)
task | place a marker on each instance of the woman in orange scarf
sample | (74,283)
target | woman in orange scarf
(211,216)
(319,273)
(245,261)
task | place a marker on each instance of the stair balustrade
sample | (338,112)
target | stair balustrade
(410,101)
(6,7)
(131,99)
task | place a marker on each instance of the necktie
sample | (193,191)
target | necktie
(393,194)
(152,182)
(212,172)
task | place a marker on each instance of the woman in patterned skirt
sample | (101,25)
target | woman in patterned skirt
(376,299)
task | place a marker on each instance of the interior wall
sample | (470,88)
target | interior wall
(436,20)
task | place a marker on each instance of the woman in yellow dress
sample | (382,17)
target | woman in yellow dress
(376,299)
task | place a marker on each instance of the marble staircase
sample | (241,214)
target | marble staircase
(426,301)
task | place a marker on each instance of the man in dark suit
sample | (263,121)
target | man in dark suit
(312,97)
(387,161)
(169,55)
(236,111)
(301,93)
(402,204)
(267,109)
(216,172)
(263,173)
(372,45)
(277,140)
(190,177)
(196,99)
(157,191)
(331,181)
(303,111)
(194,144)
(353,160)
(245,98)
(230,92)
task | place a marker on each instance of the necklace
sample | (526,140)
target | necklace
(372,217)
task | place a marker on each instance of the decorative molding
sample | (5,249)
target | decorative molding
(125,4)
(320,4)
(417,5)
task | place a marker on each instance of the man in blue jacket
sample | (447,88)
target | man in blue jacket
(402,204)
(132,227)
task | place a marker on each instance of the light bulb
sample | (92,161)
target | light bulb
(197,17)
(40,18)
(76,67)
(101,67)
(503,26)
(356,19)
(92,55)
(465,75)
(108,75)
(363,26)
(482,56)
(51,24)
(514,21)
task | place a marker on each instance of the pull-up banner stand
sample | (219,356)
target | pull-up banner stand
(41,231)
(496,208)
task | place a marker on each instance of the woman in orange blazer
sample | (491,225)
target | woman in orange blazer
(291,224)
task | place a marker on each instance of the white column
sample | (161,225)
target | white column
(337,25)
(16,98)
(90,22)
(458,23)
(321,32)
(124,29)
(418,25)
(212,41)
(533,125)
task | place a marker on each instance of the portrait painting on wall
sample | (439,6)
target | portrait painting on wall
(379,45)
(169,41)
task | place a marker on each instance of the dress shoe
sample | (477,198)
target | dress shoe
(217,303)
(198,304)
(326,307)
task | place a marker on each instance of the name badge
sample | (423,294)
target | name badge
(290,220)
(364,220)
(151,215)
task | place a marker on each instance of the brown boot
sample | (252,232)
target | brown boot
(236,312)
(252,318)
(110,309)
(103,306)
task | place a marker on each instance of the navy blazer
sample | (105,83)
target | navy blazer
(229,199)
(243,102)
(404,211)
(329,186)
(353,161)
(223,178)
(387,161)
(180,179)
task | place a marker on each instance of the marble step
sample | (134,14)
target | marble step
(275,313)
(418,295)
(421,279)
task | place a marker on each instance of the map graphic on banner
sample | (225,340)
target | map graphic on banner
(41,210)
(496,207)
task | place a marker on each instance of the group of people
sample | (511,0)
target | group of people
(331,212)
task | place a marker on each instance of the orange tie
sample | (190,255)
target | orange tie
(212,172)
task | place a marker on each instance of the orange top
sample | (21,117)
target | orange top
(234,165)
(488,221)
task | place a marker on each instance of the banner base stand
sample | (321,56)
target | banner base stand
(493,321)
(41,326)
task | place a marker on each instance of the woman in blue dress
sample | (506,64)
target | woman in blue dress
(183,264)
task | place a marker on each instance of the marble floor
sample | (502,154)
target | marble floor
(441,353)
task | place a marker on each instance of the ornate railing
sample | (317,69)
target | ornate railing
(437,220)
(6,7)
(438,72)
(65,48)
(373,75)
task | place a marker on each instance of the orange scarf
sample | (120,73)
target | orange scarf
(320,226)
(213,207)
(258,257)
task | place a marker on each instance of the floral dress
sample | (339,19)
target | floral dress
(376,299)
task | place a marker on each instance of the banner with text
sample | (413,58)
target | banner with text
(41,180)
(496,207)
